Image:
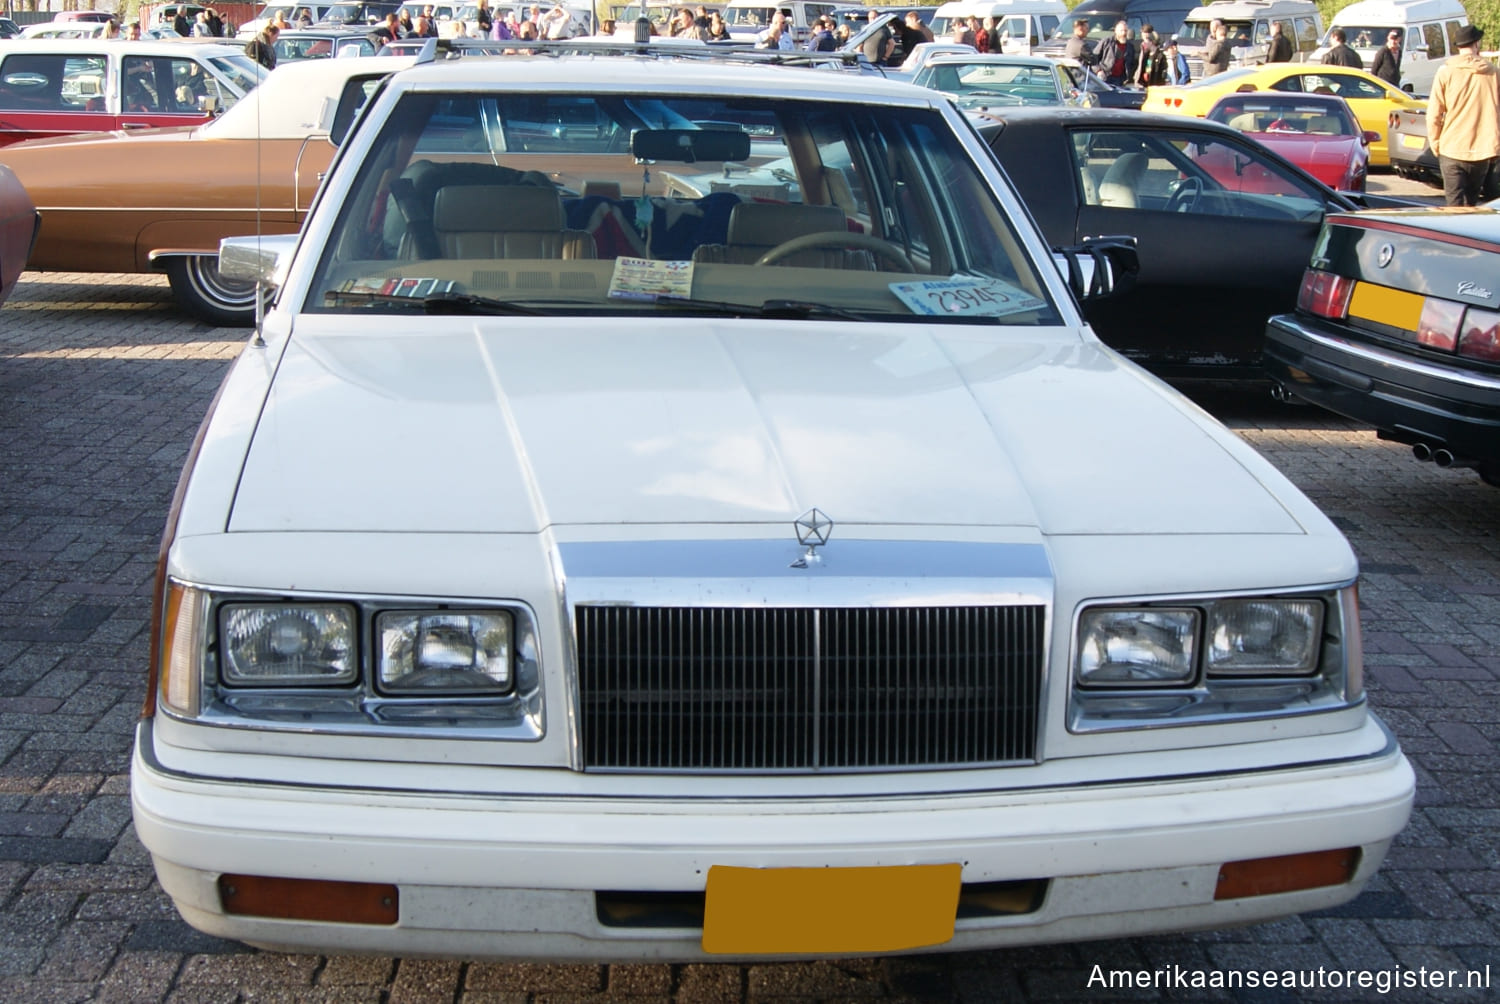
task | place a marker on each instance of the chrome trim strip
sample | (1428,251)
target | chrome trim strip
(1387,358)
(146,750)
(772,559)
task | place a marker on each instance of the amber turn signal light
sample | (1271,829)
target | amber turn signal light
(309,899)
(1288,873)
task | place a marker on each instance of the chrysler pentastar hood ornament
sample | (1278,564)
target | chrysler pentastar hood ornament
(813,530)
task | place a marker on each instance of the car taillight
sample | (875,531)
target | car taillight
(1438,328)
(1324,293)
(1392,119)
(1481,335)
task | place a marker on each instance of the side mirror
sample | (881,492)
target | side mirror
(1099,268)
(256,259)
(1369,137)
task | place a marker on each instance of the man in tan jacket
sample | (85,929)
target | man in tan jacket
(1463,122)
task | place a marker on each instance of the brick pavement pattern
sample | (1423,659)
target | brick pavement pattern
(102,385)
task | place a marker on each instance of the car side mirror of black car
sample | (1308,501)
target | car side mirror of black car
(1100,267)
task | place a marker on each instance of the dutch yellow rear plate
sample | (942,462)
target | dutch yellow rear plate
(790,911)
(1414,142)
(1384,305)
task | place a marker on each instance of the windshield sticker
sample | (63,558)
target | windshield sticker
(381,285)
(965,296)
(646,279)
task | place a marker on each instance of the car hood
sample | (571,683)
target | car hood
(514,426)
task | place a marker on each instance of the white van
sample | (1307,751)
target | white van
(1021,23)
(748,18)
(1249,23)
(1427,28)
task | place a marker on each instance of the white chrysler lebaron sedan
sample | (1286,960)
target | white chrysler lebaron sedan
(572,569)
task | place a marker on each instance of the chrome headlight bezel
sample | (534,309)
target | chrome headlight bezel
(194,685)
(1325,673)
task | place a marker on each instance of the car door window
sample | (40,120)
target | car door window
(52,82)
(1307,34)
(1452,29)
(1197,174)
(1432,36)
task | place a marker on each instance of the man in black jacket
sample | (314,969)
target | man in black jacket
(1387,62)
(1279,49)
(1340,54)
(1118,55)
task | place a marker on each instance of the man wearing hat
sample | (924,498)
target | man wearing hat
(1177,64)
(1463,122)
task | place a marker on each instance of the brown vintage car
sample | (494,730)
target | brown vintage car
(18,227)
(151,200)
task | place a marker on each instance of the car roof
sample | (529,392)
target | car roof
(664,70)
(145,46)
(989,58)
(1068,115)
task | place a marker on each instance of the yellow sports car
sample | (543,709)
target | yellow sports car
(1371,99)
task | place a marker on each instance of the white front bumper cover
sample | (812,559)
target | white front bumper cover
(514,878)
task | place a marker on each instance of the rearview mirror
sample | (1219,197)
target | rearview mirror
(688,146)
(1100,267)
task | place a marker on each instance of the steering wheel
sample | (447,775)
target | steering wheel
(1184,198)
(840,239)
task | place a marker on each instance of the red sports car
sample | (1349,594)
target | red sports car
(1317,132)
(19,221)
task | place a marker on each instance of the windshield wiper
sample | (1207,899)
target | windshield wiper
(796,310)
(442,303)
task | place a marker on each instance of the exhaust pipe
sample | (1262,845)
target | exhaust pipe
(1422,451)
(1445,458)
(1280,393)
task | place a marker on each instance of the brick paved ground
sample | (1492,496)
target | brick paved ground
(102,383)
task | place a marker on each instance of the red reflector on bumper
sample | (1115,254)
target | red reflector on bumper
(309,899)
(1288,873)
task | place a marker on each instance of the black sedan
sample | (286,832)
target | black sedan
(1224,226)
(1398,326)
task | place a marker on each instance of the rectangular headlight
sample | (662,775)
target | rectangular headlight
(1264,637)
(448,651)
(1137,646)
(287,644)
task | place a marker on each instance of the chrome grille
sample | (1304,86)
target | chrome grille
(667,688)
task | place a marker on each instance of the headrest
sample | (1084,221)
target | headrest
(768,223)
(497,208)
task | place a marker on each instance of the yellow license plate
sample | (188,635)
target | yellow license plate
(790,911)
(1384,305)
(1414,142)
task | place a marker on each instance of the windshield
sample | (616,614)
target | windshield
(1360,37)
(749,17)
(613,204)
(1196,33)
(1025,85)
(241,71)
(1260,114)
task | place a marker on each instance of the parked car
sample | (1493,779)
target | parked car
(258,164)
(1248,24)
(320,43)
(54,87)
(1398,326)
(1164,17)
(18,226)
(1224,226)
(359,12)
(289,12)
(1371,99)
(978,81)
(1096,92)
(64,29)
(1406,139)
(9,28)
(165,15)
(1317,132)
(729,579)
(1427,28)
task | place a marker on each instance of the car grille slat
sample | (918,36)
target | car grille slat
(791,689)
